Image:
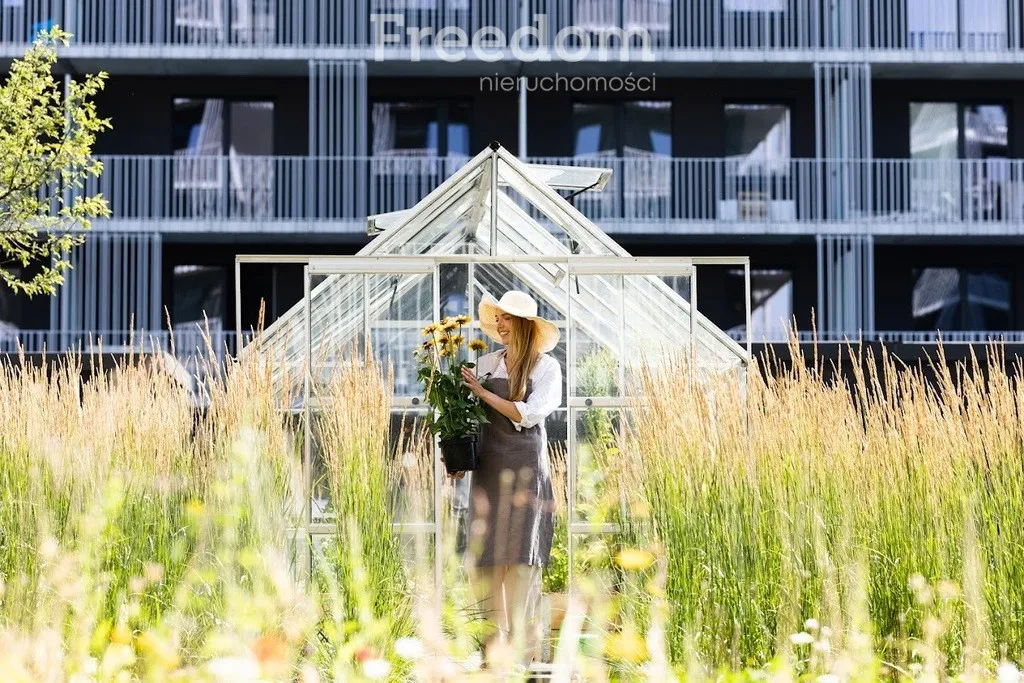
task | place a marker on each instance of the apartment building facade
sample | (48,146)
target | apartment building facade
(864,153)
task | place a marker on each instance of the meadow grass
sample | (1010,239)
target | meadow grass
(801,497)
(790,528)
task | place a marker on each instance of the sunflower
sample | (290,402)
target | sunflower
(478,345)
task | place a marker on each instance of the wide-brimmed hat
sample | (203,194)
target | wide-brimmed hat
(521,305)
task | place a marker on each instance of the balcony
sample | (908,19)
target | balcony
(675,30)
(647,195)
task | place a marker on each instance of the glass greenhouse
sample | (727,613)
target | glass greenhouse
(495,225)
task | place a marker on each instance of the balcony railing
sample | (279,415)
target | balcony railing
(646,194)
(940,26)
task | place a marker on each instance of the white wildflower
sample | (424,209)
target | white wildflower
(1008,673)
(233,669)
(410,649)
(376,669)
(802,638)
(811,625)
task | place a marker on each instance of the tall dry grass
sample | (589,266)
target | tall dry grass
(772,504)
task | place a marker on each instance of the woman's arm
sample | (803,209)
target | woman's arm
(544,398)
(506,408)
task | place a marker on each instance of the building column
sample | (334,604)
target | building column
(844,144)
(338,175)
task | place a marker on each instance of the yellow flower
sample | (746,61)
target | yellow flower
(446,351)
(478,345)
(626,646)
(195,507)
(448,324)
(462,320)
(430,330)
(633,559)
(457,340)
(427,345)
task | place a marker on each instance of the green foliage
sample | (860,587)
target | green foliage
(456,411)
(46,140)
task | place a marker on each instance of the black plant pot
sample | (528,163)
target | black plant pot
(460,454)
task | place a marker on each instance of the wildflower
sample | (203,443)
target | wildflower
(160,653)
(633,559)
(462,320)
(446,352)
(1008,673)
(410,649)
(121,635)
(802,638)
(430,330)
(195,507)
(626,646)
(478,345)
(448,324)
(457,340)
(811,625)
(233,669)
(427,345)
(916,583)
(271,651)
(376,669)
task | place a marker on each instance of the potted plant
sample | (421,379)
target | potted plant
(456,413)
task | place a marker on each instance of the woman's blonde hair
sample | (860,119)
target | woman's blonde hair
(520,356)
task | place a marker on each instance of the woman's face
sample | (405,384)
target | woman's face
(504,322)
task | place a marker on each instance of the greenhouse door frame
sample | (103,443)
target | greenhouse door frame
(575,266)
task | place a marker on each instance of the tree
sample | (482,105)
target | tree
(46,140)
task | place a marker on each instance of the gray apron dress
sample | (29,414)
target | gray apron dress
(511,499)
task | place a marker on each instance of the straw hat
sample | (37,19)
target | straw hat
(521,305)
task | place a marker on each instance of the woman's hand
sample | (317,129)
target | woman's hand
(469,378)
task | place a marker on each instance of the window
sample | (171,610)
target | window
(962,299)
(421,129)
(771,302)
(628,129)
(199,291)
(639,136)
(955,24)
(216,126)
(207,130)
(757,138)
(941,133)
(10,307)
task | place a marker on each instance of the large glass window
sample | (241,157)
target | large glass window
(634,139)
(199,291)
(771,303)
(420,129)
(962,299)
(976,25)
(223,162)
(758,138)
(941,133)
(627,129)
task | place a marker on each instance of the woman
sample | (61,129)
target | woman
(512,515)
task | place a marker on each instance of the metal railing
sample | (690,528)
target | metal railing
(184,345)
(888,337)
(646,194)
(937,26)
